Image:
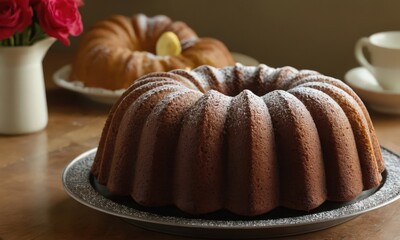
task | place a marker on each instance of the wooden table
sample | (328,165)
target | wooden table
(33,204)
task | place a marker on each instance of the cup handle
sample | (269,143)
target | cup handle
(361,43)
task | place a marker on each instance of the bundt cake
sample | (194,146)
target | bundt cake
(243,139)
(118,50)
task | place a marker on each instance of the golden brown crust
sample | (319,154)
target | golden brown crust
(118,50)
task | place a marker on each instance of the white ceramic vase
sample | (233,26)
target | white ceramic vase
(23,106)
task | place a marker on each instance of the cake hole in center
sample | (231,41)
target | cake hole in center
(233,89)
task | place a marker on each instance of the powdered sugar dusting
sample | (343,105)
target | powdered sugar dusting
(309,92)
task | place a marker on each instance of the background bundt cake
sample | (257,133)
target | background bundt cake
(118,50)
(244,139)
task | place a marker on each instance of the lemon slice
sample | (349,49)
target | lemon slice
(168,45)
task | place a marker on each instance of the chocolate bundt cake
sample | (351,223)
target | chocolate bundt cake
(244,139)
(118,50)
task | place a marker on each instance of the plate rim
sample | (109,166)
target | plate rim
(206,225)
(60,76)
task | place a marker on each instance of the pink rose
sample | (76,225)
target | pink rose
(15,15)
(59,18)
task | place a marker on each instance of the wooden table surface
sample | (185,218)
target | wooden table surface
(33,204)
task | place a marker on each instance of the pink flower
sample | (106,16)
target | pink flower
(59,18)
(15,15)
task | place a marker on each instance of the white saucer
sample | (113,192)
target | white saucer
(366,86)
(106,96)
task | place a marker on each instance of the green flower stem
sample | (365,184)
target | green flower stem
(38,33)
(11,40)
(19,39)
(27,37)
(26,34)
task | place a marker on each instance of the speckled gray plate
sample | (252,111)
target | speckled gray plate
(81,186)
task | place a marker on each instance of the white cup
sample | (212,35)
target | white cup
(384,50)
